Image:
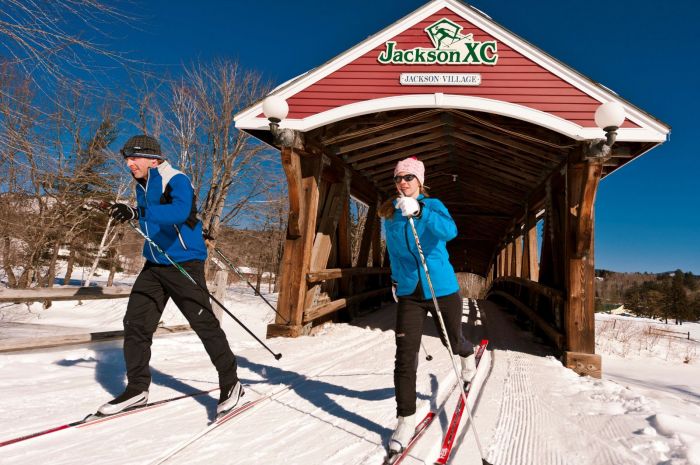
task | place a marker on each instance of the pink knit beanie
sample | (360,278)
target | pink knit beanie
(412,166)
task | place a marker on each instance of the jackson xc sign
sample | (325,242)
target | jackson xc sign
(450,48)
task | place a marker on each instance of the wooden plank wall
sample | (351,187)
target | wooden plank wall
(318,235)
(567,257)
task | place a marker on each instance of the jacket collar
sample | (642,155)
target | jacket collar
(160,169)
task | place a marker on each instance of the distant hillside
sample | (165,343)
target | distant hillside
(612,285)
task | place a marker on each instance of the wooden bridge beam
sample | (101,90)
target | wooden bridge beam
(582,179)
(530,262)
(518,256)
(303,177)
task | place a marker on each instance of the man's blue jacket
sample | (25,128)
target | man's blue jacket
(435,228)
(168,215)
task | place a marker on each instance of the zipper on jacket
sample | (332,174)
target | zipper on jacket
(408,245)
(145,223)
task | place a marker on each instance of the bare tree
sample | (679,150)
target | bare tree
(55,42)
(358,220)
(185,123)
(222,167)
(56,155)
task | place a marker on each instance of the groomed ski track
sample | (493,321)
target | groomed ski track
(333,403)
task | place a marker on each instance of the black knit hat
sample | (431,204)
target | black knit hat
(142,146)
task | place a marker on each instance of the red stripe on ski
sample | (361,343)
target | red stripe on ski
(451,434)
(34,435)
(420,429)
(238,410)
(88,422)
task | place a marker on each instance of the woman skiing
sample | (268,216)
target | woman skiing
(434,227)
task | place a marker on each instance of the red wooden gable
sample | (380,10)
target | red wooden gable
(514,79)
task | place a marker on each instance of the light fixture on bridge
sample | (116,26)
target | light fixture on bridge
(609,117)
(275,109)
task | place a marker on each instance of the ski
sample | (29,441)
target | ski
(451,434)
(220,420)
(395,459)
(95,418)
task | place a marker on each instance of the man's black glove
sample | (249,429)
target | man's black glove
(121,212)
(207,236)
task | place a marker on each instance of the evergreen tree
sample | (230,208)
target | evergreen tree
(677,299)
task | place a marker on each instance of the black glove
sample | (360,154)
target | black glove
(121,212)
(207,236)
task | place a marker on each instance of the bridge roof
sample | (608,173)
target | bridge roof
(490,114)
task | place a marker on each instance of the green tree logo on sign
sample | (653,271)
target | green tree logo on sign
(444,33)
(450,48)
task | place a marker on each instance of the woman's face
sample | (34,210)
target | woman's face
(405,187)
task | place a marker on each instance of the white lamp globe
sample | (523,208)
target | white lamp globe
(610,116)
(275,108)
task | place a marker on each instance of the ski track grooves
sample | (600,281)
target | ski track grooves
(440,409)
(519,416)
(74,428)
(526,420)
(269,397)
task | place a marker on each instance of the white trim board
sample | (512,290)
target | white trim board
(247,119)
(460,102)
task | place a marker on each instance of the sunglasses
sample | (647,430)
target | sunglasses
(134,152)
(405,177)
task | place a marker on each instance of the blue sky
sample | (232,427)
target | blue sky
(647,213)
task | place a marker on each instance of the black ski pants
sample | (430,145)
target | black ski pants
(410,317)
(152,289)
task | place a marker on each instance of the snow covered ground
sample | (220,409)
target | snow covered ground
(334,397)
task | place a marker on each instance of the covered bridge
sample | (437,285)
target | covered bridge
(509,136)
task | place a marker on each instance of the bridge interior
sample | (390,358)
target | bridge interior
(498,175)
(489,170)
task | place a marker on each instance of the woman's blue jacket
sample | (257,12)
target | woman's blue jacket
(435,227)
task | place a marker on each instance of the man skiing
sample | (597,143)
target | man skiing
(166,211)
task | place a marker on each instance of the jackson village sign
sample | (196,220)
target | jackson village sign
(451,48)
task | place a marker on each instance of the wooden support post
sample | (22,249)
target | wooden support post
(344,237)
(327,224)
(303,175)
(525,265)
(509,257)
(584,364)
(502,262)
(583,177)
(518,255)
(220,284)
(533,260)
(530,269)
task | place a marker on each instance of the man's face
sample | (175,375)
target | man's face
(139,166)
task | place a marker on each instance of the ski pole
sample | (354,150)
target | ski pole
(428,357)
(235,270)
(188,276)
(444,332)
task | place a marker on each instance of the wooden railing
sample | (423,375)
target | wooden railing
(64,293)
(541,304)
(335,273)
(327,308)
